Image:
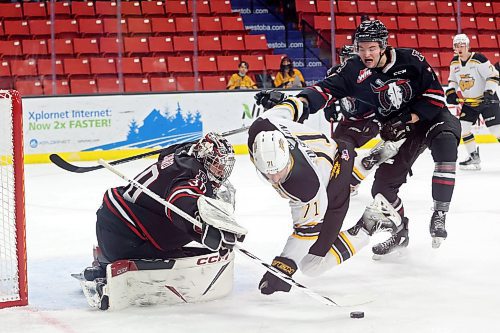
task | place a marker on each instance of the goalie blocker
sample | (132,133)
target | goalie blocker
(201,276)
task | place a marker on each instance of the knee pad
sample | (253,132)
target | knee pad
(444,147)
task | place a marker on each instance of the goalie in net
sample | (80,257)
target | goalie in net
(131,225)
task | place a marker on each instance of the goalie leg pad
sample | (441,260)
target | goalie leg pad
(380,215)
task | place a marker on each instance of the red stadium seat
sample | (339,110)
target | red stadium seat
(34,9)
(110,45)
(445,41)
(91,26)
(214,82)
(45,67)
(210,24)
(492,56)
(161,25)
(428,41)
(102,66)
(445,58)
(367,7)
(154,65)
(179,64)
(232,24)
(347,7)
(207,64)
(306,10)
(136,45)
(426,7)
(474,42)
(432,58)
(184,24)
(345,23)
(11,10)
(29,87)
(322,22)
(489,41)
(428,23)
(131,8)
(10,48)
(343,39)
(1,29)
(486,23)
(388,7)
(62,87)
(184,44)
(324,7)
(467,8)
(408,23)
(139,25)
(23,67)
(445,75)
(228,63)
(407,40)
(4,69)
(153,8)
(175,8)
(62,47)
(188,83)
(221,7)
(256,43)
(129,65)
(85,46)
(390,22)
(163,84)
(232,43)
(108,84)
(445,8)
(83,86)
(66,27)
(256,63)
(106,8)
(61,9)
(16,28)
(202,7)
(34,46)
(82,8)
(483,8)
(469,23)
(136,84)
(448,23)
(161,45)
(39,28)
(273,61)
(496,7)
(209,44)
(76,66)
(407,7)
(110,26)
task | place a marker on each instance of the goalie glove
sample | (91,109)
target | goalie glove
(219,214)
(396,128)
(270,283)
(269,98)
(217,240)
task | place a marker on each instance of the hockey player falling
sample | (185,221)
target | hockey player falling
(313,172)
(476,80)
(132,225)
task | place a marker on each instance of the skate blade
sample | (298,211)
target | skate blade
(395,253)
(472,167)
(436,242)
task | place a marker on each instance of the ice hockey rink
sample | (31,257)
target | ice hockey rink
(455,288)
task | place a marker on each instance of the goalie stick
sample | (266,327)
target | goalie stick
(234,229)
(63,164)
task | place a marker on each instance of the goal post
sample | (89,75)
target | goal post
(13,270)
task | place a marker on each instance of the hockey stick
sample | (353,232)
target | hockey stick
(190,219)
(63,164)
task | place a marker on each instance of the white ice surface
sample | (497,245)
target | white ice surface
(452,289)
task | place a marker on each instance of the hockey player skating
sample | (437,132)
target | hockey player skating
(409,102)
(313,172)
(132,225)
(476,80)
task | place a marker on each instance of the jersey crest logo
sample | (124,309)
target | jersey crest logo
(392,94)
(363,75)
(466,82)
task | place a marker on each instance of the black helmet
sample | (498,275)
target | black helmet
(347,52)
(372,31)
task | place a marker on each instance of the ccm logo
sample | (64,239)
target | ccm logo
(121,270)
(211,259)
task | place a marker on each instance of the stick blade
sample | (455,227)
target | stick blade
(60,162)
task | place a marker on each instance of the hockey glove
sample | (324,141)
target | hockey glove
(331,112)
(452,97)
(489,97)
(217,240)
(269,98)
(270,283)
(396,128)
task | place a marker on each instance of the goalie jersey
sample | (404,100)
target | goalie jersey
(474,76)
(177,177)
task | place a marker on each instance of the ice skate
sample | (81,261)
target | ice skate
(397,241)
(473,162)
(437,228)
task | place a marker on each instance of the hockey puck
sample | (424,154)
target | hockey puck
(357,314)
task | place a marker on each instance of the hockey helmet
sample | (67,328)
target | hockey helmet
(371,31)
(461,39)
(270,152)
(217,156)
(346,52)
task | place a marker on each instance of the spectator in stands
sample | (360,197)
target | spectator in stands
(288,77)
(241,80)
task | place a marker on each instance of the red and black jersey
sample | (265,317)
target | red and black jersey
(406,83)
(177,177)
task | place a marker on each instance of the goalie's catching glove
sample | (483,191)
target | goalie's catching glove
(218,240)
(269,98)
(396,128)
(270,283)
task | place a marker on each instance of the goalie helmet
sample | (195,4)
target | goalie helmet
(270,152)
(461,39)
(217,156)
(371,31)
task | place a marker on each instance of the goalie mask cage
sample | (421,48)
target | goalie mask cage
(13,273)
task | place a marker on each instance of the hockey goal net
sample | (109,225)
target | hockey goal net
(13,281)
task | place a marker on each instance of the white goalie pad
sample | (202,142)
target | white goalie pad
(219,214)
(380,215)
(149,282)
